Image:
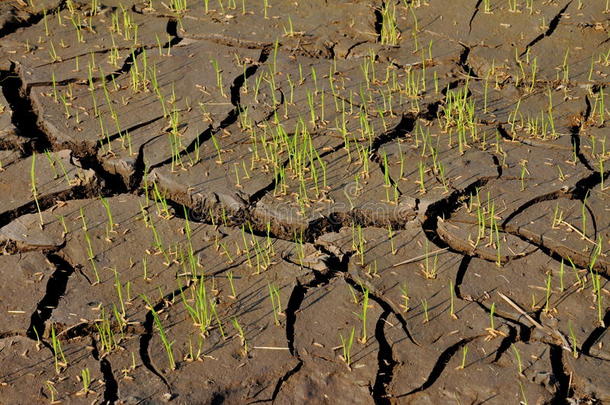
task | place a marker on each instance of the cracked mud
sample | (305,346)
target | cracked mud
(378,202)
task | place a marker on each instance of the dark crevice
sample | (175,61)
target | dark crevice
(241,79)
(49,200)
(553,195)
(378,24)
(595,335)
(406,125)
(385,305)
(139,167)
(109,138)
(440,365)
(498,165)
(575,136)
(111,387)
(231,117)
(56,287)
(385,363)
(552,26)
(562,379)
(294,303)
(147,335)
(283,379)
(584,185)
(171,30)
(444,208)
(506,343)
(474,14)
(463,61)
(23,118)
(32,19)
(112,184)
(431,112)
(127,64)
(459,277)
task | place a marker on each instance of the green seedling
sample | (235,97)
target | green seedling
(200,310)
(518,358)
(85,377)
(276,304)
(583,214)
(561,273)
(405,296)
(52,392)
(34,189)
(346,346)
(573,340)
(162,335)
(58,354)
(452,299)
(597,289)
(106,335)
(464,353)
(524,400)
(430,269)
(547,306)
(241,334)
(363,314)
(424,304)
(233,295)
(389,26)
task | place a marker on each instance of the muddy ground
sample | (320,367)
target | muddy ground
(304,202)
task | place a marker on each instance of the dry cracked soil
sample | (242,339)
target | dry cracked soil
(347,202)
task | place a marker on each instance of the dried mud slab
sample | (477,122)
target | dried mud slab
(589,379)
(28,271)
(292,25)
(29,371)
(46,178)
(52,50)
(10,138)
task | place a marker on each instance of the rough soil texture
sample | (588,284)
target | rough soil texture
(388,202)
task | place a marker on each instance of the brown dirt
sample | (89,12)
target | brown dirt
(204,206)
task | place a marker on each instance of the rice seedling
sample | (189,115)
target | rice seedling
(52,392)
(391,234)
(518,358)
(85,378)
(276,304)
(597,291)
(492,331)
(363,314)
(242,336)
(424,304)
(523,172)
(547,307)
(58,354)
(486,7)
(429,269)
(464,354)
(573,340)
(34,189)
(105,333)
(452,300)
(162,335)
(389,27)
(404,291)
(200,310)
(583,215)
(346,347)
(233,295)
